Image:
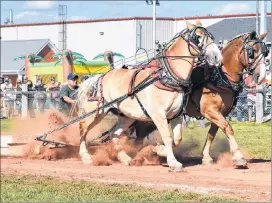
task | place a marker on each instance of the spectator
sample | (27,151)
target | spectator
(8,97)
(30,97)
(251,96)
(25,79)
(54,88)
(3,104)
(242,106)
(18,99)
(40,95)
(67,93)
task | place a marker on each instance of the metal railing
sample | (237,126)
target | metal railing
(136,59)
(256,106)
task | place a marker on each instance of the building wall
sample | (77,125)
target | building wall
(179,25)
(47,53)
(164,32)
(119,36)
(31,32)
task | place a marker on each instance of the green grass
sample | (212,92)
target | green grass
(6,125)
(45,189)
(251,137)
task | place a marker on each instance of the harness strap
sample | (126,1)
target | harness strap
(100,99)
(143,109)
(132,81)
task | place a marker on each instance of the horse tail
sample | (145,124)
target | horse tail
(85,90)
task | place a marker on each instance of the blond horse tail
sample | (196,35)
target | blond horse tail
(85,90)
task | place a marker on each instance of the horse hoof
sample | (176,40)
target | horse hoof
(176,167)
(86,159)
(124,158)
(207,162)
(240,163)
(136,162)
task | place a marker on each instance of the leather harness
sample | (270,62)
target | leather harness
(167,80)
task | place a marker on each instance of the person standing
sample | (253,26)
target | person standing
(18,99)
(68,94)
(40,95)
(30,98)
(54,88)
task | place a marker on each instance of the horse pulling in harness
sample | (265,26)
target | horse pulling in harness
(162,77)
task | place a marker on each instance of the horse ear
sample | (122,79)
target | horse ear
(189,25)
(253,35)
(198,22)
(264,35)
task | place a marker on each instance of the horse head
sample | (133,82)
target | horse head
(254,50)
(202,44)
(194,42)
(243,54)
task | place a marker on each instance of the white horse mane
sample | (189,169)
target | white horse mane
(85,90)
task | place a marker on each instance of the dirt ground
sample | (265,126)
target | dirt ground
(221,179)
(253,184)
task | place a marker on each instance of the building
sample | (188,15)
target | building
(125,35)
(230,27)
(11,49)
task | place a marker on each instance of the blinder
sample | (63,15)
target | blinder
(250,49)
(250,52)
(264,49)
(195,38)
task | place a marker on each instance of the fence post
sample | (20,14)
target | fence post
(24,101)
(259,104)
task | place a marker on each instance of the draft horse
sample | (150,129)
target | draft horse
(161,99)
(215,92)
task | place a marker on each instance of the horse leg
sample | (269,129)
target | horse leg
(176,125)
(207,160)
(218,119)
(84,129)
(123,124)
(166,132)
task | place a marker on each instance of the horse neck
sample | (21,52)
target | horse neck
(182,68)
(232,60)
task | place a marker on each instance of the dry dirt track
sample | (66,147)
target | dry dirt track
(253,184)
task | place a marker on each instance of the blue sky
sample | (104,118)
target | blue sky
(47,11)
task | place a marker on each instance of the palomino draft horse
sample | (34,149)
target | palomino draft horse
(215,91)
(161,98)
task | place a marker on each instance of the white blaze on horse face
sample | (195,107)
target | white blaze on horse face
(213,54)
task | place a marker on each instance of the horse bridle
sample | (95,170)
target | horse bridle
(192,42)
(196,44)
(249,51)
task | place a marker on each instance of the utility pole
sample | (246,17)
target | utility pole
(257,17)
(154,3)
(259,96)
(62,27)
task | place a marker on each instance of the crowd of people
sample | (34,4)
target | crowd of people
(62,96)
(56,95)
